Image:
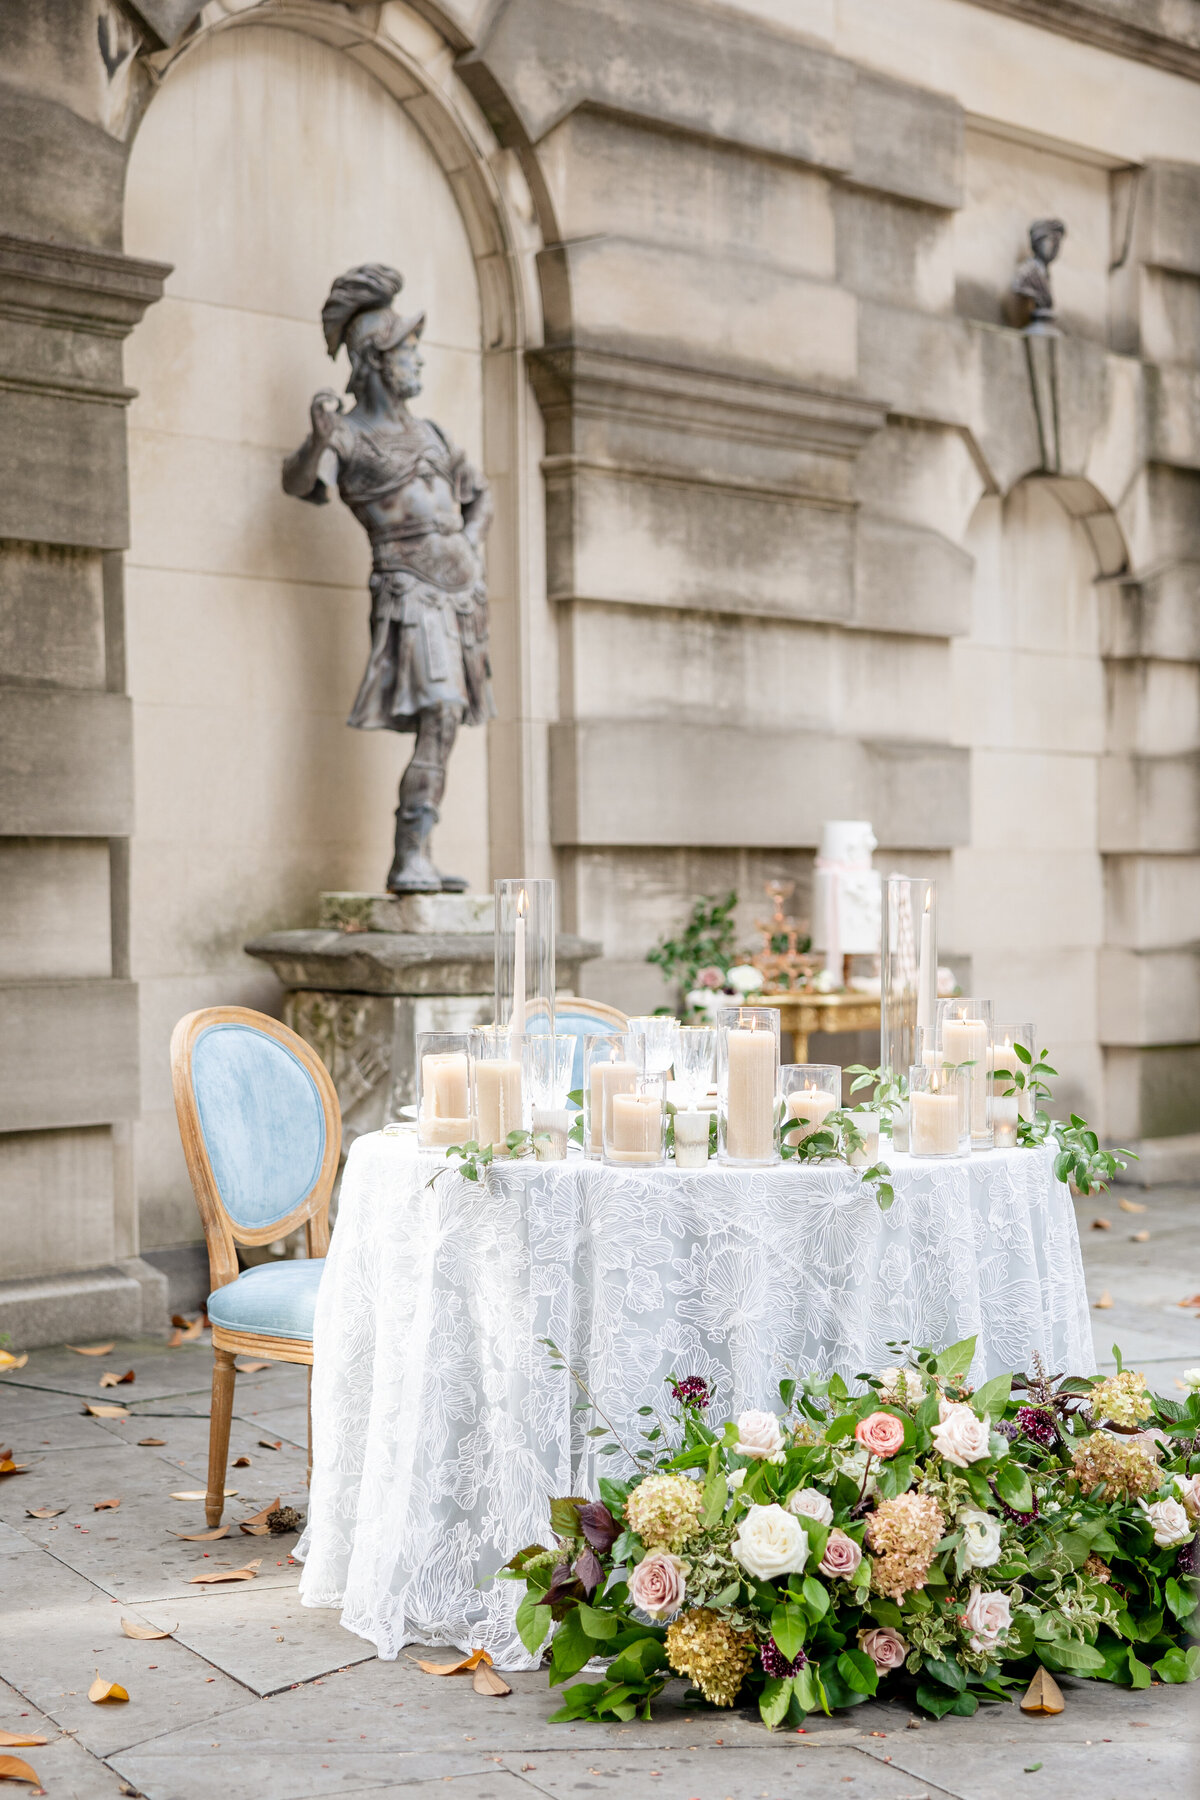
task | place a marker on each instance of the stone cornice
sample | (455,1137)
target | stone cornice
(1165,33)
(774,414)
(98,291)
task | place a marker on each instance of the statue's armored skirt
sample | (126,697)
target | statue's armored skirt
(429,620)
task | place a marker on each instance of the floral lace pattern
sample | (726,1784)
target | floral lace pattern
(440,1428)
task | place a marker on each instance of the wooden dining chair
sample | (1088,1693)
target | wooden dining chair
(261,1132)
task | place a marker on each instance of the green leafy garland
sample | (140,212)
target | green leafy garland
(921,1534)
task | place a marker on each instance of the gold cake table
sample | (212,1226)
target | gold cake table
(804,1014)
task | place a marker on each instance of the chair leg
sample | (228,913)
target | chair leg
(224,1376)
(308,1476)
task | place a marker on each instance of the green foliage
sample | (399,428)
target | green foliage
(706,941)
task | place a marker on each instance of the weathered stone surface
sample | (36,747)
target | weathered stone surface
(51,616)
(1171,220)
(1151,902)
(57,913)
(1152,1091)
(65,764)
(385,962)
(1149,996)
(907,141)
(1150,803)
(68,1053)
(47,1309)
(910,579)
(56,1202)
(436,914)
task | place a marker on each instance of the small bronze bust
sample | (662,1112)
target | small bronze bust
(426,511)
(1031,283)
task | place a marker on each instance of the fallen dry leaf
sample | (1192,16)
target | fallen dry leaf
(1194,1300)
(1139,1237)
(91,1349)
(251,1368)
(9,1361)
(266,1444)
(1101,1224)
(1104,1301)
(186,1329)
(110,1378)
(134,1628)
(1131,1205)
(43,1512)
(157,1442)
(241,1462)
(16,1740)
(260,1518)
(1043,1694)
(196,1537)
(102,1690)
(471,1661)
(9,1467)
(486,1681)
(105,1505)
(214,1575)
(202,1494)
(12,1768)
(101,1409)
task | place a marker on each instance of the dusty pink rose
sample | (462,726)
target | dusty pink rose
(710,978)
(842,1557)
(987,1618)
(881,1433)
(1188,1489)
(885,1647)
(658,1585)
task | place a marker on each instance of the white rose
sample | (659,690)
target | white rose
(736,1480)
(961,1437)
(914,1386)
(770,1542)
(745,978)
(759,1435)
(1170,1521)
(981,1537)
(811,1504)
(853,1464)
(1191,1378)
(987,1617)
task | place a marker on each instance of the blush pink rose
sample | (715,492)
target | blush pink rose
(658,1585)
(987,1618)
(842,1557)
(885,1647)
(881,1433)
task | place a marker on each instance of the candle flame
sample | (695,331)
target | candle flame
(522,902)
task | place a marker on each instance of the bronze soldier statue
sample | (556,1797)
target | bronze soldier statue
(426,511)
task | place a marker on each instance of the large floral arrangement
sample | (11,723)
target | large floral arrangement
(920,1532)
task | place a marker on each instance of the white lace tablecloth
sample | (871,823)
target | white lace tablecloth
(440,1428)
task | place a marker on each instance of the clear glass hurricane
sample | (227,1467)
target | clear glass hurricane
(695,1057)
(660,1035)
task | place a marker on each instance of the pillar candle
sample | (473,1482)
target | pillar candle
(635,1134)
(750,1097)
(1004,1061)
(933,1125)
(444,1085)
(550,1128)
(867,1125)
(691,1139)
(811,1104)
(1004,1121)
(966,1040)
(497,1100)
(607,1079)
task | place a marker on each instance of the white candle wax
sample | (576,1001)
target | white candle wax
(750,1097)
(550,1128)
(444,1084)
(607,1079)
(926,970)
(691,1139)
(1004,1121)
(518,1005)
(812,1105)
(966,1040)
(933,1125)
(497,1100)
(439,1133)
(635,1133)
(867,1126)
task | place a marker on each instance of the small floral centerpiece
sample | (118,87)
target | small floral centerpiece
(921,1532)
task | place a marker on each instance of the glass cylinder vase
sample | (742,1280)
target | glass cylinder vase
(499,1087)
(660,1034)
(445,1114)
(965,1042)
(810,1092)
(907,970)
(1005,1060)
(695,1054)
(747,1083)
(525,957)
(937,1108)
(546,1064)
(611,1065)
(635,1123)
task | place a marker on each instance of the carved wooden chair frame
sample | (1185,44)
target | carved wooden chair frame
(222,1235)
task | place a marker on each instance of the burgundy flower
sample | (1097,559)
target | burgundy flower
(1188,1560)
(1018,1518)
(691,1390)
(1038,1425)
(774,1662)
(598,1526)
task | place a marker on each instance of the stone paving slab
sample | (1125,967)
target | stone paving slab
(261,1636)
(775,1771)
(67,1771)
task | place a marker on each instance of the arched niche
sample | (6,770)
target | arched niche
(285,143)
(1029,699)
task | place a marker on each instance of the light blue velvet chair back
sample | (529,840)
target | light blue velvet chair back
(584,1018)
(262,1120)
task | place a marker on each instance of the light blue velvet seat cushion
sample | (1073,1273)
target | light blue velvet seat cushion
(262,1120)
(275,1299)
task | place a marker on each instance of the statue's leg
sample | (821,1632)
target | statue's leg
(421,788)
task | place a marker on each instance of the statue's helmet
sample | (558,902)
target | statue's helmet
(359,313)
(1045,237)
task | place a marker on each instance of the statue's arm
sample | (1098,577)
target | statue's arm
(303,476)
(475,501)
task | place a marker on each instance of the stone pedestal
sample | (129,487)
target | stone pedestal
(375,972)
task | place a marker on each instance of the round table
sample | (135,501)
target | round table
(440,1428)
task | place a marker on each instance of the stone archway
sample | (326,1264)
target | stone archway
(246,613)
